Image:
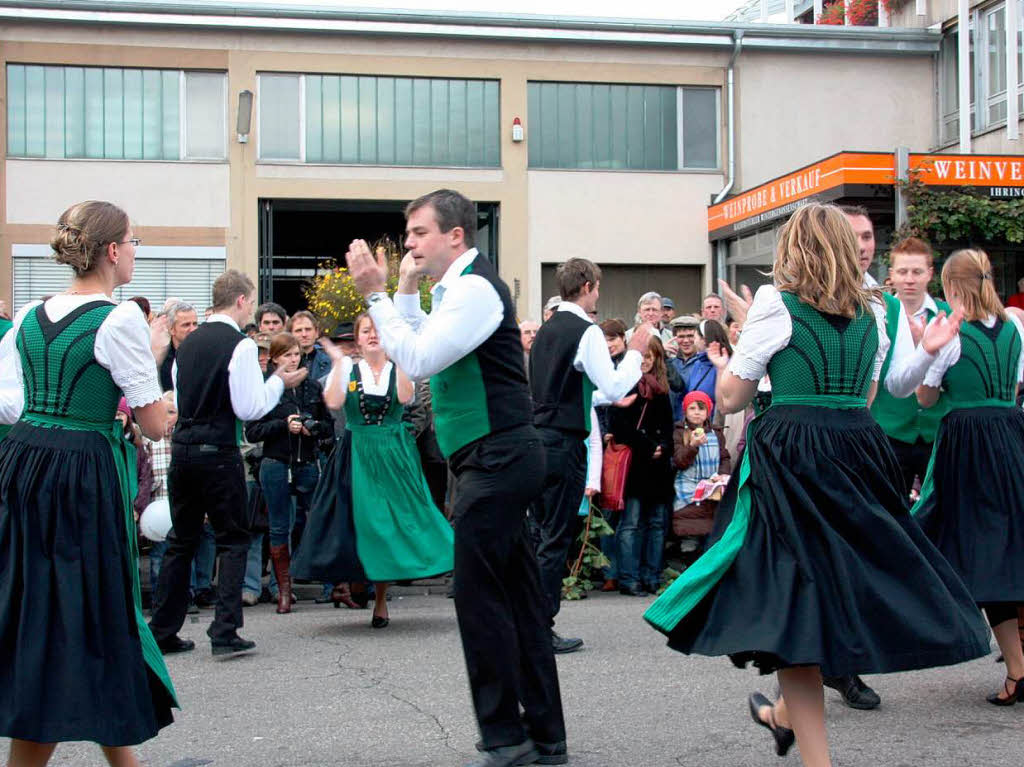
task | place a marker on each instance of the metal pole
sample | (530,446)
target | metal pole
(921,7)
(902,174)
(1012,111)
(883,14)
(764,10)
(964,73)
(790,11)
(818,8)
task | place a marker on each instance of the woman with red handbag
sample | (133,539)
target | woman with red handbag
(612,503)
(645,426)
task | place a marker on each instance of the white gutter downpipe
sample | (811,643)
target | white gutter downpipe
(731,116)
(731,129)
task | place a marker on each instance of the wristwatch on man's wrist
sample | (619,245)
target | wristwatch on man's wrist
(377,297)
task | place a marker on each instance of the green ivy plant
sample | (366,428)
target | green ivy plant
(591,560)
(959,215)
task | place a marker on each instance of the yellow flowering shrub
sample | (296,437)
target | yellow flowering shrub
(333,298)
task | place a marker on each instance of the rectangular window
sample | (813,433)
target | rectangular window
(988,63)
(115,114)
(622,127)
(365,120)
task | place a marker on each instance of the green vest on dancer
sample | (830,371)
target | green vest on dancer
(826,356)
(994,353)
(485,391)
(902,418)
(66,388)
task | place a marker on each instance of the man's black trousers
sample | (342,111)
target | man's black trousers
(501,610)
(913,460)
(556,509)
(204,482)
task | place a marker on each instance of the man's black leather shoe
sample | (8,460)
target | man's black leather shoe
(855,693)
(175,644)
(548,753)
(563,645)
(233,646)
(507,756)
(552,753)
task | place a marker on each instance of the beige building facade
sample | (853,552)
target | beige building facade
(625,139)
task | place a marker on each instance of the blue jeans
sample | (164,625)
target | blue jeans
(253,583)
(641,539)
(277,491)
(206,555)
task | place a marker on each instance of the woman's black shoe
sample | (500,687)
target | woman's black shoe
(378,622)
(1015,692)
(631,591)
(784,737)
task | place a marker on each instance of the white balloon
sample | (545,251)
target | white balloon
(155,521)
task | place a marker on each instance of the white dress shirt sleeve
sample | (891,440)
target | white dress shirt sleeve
(12,387)
(123,347)
(343,369)
(470,312)
(1020,332)
(878,309)
(766,332)
(909,364)
(595,455)
(592,358)
(251,396)
(408,305)
(947,357)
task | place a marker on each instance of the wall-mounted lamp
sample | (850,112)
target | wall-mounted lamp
(244,116)
(517,130)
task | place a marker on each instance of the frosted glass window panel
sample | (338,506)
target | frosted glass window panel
(364,120)
(170,110)
(35,122)
(205,115)
(700,127)
(94,112)
(996,76)
(17,110)
(113,113)
(74,112)
(279,117)
(619,127)
(132,114)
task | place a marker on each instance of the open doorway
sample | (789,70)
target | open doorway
(298,236)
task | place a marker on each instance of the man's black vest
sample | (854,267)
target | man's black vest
(562,394)
(485,391)
(205,415)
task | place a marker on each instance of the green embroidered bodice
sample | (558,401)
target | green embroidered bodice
(826,355)
(62,377)
(987,368)
(362,409)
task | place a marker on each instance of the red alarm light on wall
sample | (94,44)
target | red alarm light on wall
(517,130)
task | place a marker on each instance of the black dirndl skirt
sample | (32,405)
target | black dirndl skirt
(72,666)
(972,500)
(814,559)
(328,549)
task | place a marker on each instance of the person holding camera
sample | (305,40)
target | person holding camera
(290,433)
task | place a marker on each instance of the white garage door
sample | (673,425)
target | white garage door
(160,272)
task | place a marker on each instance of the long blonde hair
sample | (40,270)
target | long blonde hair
(816,259)
(968,274)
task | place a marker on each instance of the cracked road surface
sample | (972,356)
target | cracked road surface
(324,689)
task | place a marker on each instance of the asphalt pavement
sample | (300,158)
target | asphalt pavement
(325,689)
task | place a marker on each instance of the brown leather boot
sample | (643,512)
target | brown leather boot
(282,565)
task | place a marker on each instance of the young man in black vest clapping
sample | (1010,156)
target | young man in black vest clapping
(218,385)
(470,349)
(568,363)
